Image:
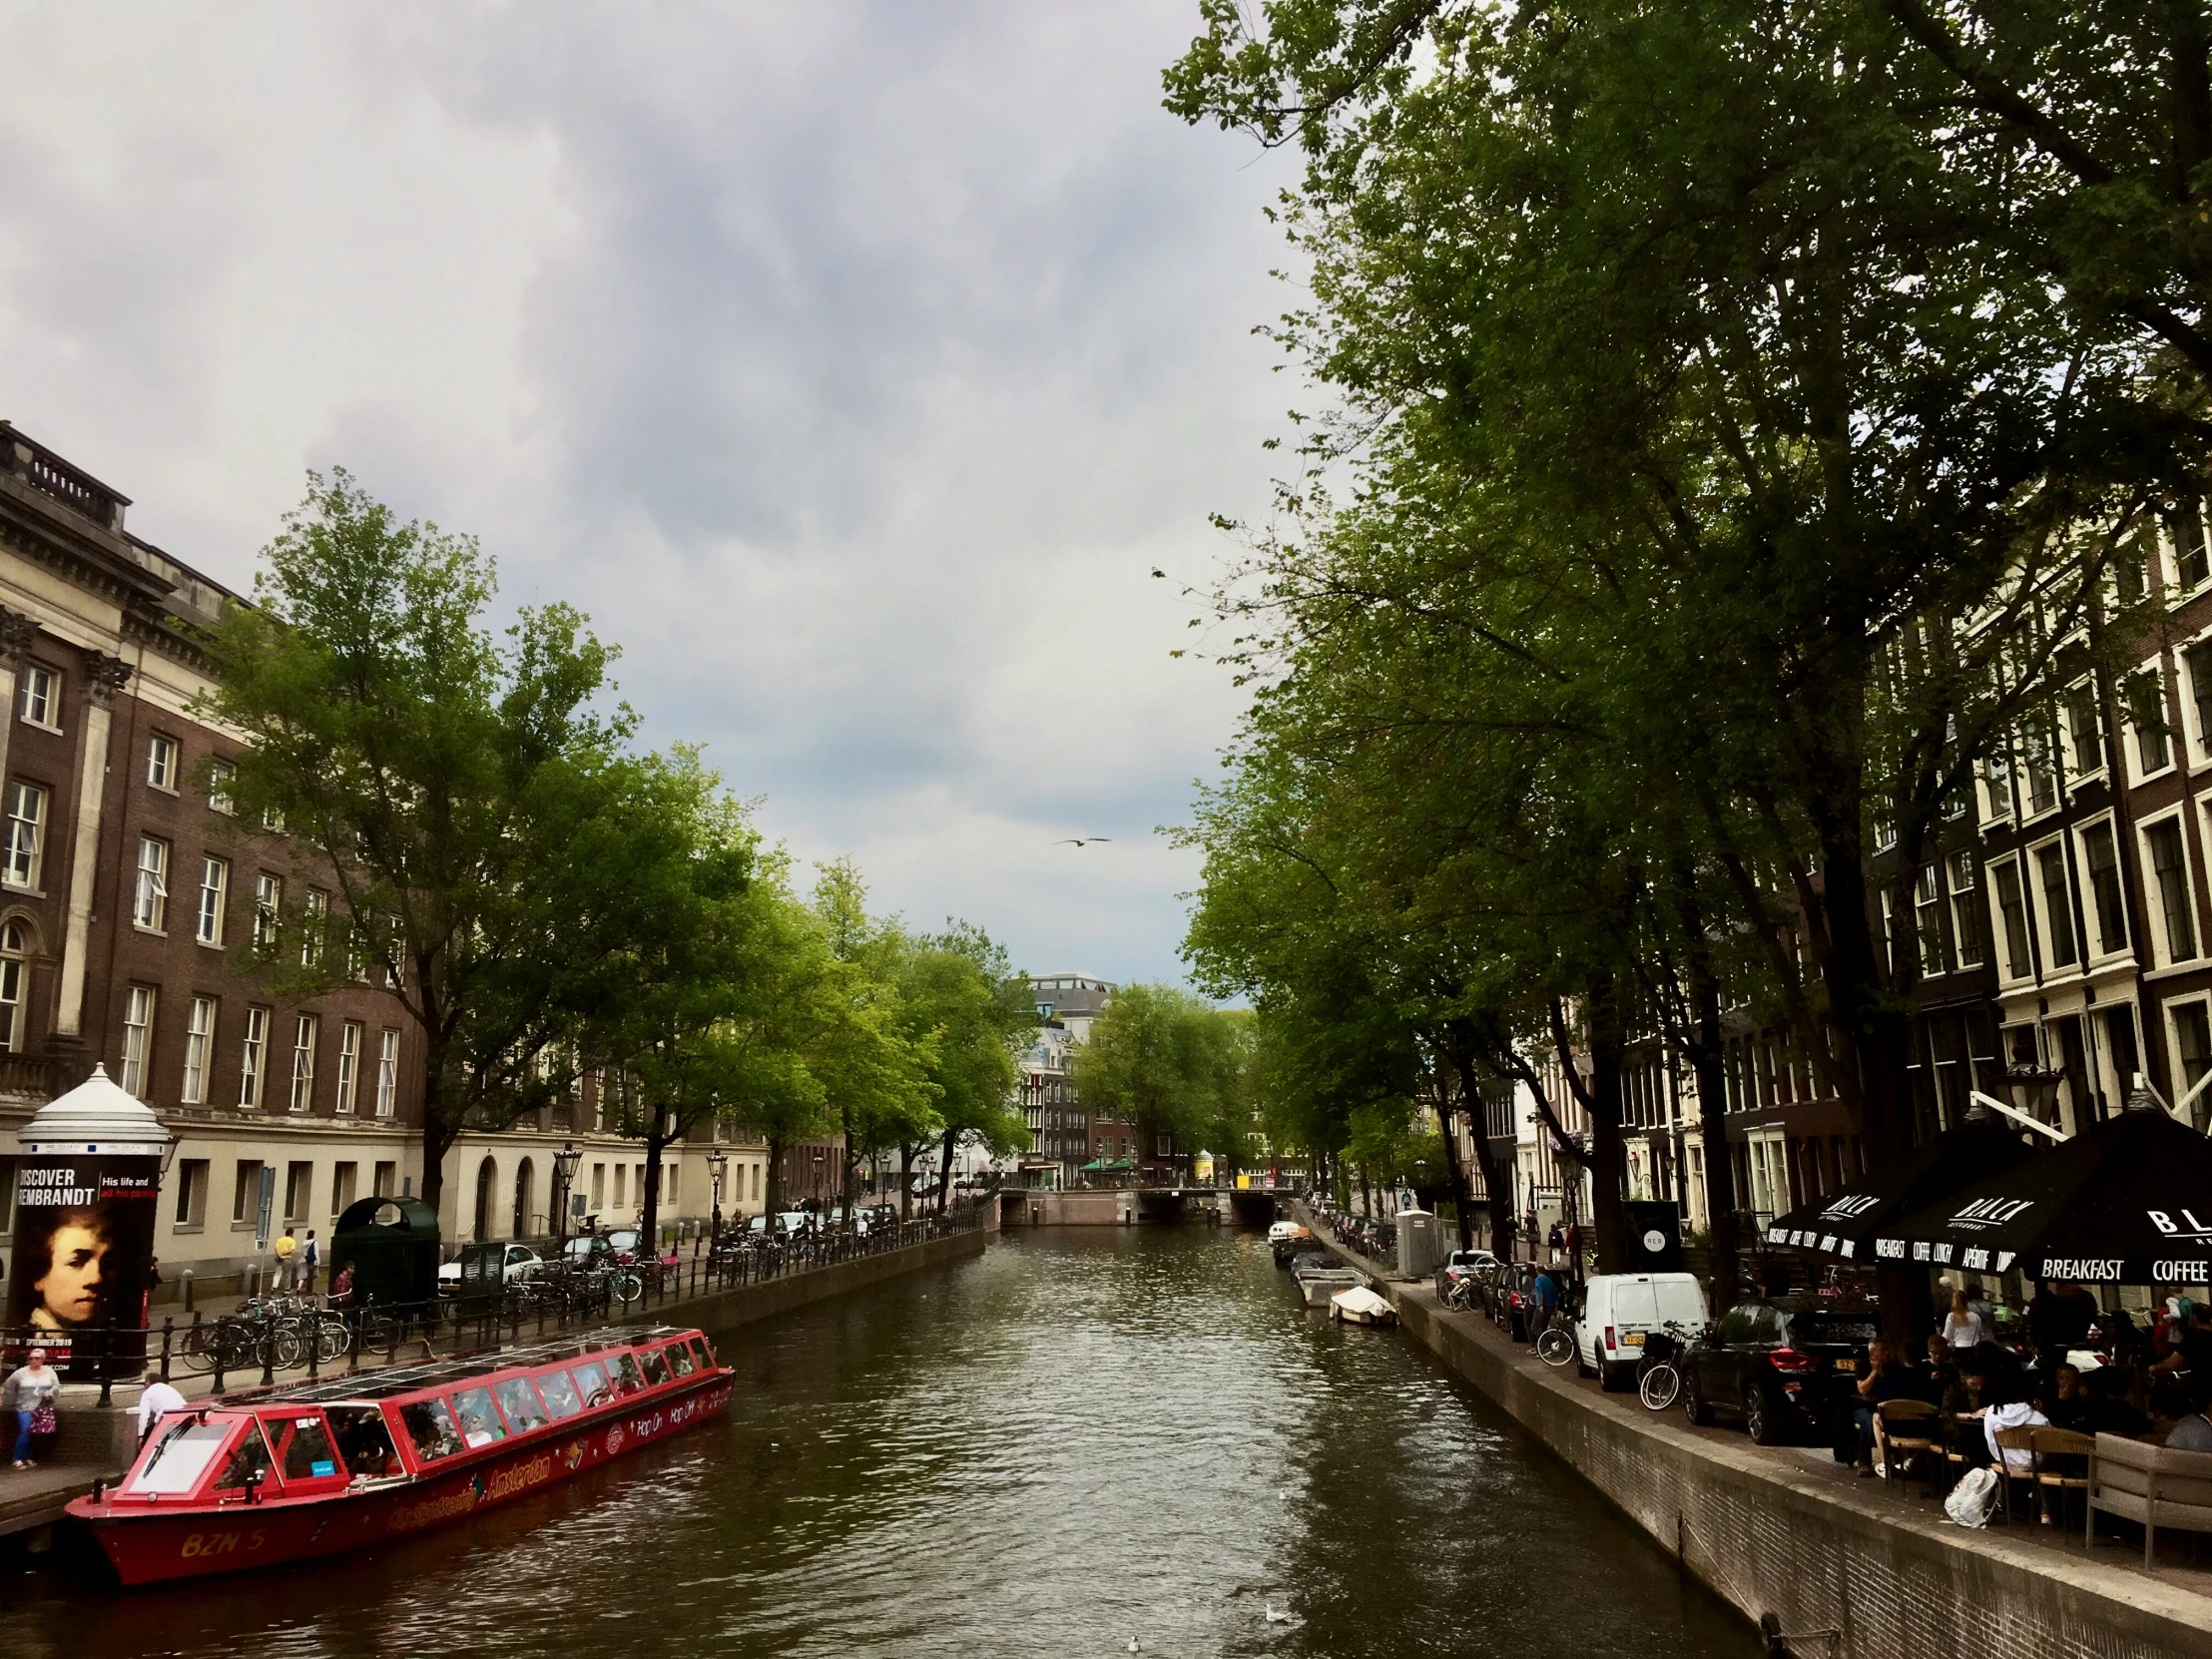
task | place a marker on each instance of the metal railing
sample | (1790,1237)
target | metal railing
(309,1333)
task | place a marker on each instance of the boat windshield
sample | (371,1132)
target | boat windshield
(179,1457)
(248,1463)
(430,1426)
(656,1368)
(520,1402)
(560,1394)
(591,1383)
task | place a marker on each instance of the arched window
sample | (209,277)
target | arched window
(14,948)
(525,1181)
(487,1183)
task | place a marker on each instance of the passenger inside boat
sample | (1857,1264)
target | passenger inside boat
(430,1426)
(363,1442)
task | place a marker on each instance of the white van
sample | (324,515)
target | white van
(1620,1309)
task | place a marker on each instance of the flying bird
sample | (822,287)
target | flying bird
(1082,841)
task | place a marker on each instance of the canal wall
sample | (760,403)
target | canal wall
(1892,1582)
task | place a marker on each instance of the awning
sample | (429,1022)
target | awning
(2115,1205)
(1094,1164)
(1846,1223)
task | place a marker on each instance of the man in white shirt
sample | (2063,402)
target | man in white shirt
(156,1397)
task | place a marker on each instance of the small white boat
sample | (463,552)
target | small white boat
(1361,1306)
(1318,1285)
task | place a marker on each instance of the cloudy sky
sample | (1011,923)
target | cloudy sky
(853,365)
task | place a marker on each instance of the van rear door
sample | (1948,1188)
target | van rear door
(1635,1311)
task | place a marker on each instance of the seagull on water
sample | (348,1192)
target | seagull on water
(1081,840)
(1132,1647)
(1277,1616)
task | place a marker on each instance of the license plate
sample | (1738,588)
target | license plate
(1847,1365)
(1632,1338)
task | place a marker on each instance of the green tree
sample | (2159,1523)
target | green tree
(973,1016)
(470,804)
(1152,1059)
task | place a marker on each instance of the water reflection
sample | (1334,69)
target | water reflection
(1081,1438)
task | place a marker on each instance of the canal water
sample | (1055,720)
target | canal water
(1081,1439)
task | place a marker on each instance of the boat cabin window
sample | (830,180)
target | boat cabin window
(623,1368)
(363,1441)
(591,1383)
(430,1426)
(680,1359)
(560,1394)
(656,1368)
(520,1402)
(303,1449)
(480,1424)
(700,1352)
(249,1461)
(180,1456)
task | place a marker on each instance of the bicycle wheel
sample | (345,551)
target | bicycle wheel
(237,1344)
(198,1347)
(332,1338)
(1661,1388)
(1555,1347)
(628,1288)
(290,1347)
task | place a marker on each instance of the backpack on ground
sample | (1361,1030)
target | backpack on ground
(1975,1500)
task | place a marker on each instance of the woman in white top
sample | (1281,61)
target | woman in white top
(1963,1327)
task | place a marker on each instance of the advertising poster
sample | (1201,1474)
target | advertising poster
(83,1250)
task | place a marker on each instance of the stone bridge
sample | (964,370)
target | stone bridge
(1129,1206)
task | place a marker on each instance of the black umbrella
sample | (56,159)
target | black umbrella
(1846,1223)
(2126,1202)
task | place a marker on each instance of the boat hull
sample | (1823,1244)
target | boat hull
(150,1547)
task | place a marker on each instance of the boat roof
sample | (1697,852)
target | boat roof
(448,1369)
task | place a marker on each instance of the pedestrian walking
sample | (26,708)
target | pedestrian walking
(1545,1293)
(286,1248)
(154,1398)
(310,1258)
(1554,1242)
(30,1392)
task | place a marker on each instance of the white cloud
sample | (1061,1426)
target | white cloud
(851,364)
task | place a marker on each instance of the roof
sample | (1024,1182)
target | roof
(453,1368)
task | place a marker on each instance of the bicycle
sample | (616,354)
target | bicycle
(1659,1371)
(1555,1343)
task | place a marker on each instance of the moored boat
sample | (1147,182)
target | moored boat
(283,1474)
(1361,1306)
(1287,1238)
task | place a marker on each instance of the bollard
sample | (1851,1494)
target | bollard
(189,1290)
(169,1332)
(269,1356)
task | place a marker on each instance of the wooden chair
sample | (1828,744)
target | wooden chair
(2014,1440)
(2151,1484)
(2061,1464)
(1911,1426)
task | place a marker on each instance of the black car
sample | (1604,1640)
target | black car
(1784,1365)
(1511,1296)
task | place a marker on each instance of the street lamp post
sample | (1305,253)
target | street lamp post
(564,1175)
(717,1162)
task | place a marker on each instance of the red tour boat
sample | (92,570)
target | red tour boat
(282,1475)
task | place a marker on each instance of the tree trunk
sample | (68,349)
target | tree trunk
(906,1153)
(1498,1188)
(657,1141)
(944,1168)
(1712,1109)
(1607,1159)
(439,1135)
(773,1205)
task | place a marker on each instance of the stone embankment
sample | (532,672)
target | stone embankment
(1785,1531)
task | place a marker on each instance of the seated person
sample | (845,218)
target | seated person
(2109,1410)
(1934,1376)
(2063,1398)
(2007,1410)
(1964,1406)
(2194,1431)
(1885,1379)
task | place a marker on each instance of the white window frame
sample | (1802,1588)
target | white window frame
(162,757)
(314,922)
(2154,897)
(14,977)
(38,697)
(150,897)
(268,906)
(215,895)
(220,775)
(2092,915)
(388,1072)
(252,1058)
(1965,929)
(138,1039)
(2038,905)
(199,1050)
(26,849)
(350,1065)
(306,1035)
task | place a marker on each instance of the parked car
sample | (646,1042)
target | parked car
(521,1262)
(622,1243)
(1511,1293)
(1464,1264)
(1784,1365)
(1620,1310)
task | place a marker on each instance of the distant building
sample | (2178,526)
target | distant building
(1060,1129)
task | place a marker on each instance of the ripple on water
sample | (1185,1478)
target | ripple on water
(1079,1438)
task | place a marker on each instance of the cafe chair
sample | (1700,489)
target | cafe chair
(1911,1429)
(2014,1440)
(2061,1464)
(2150,1484)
